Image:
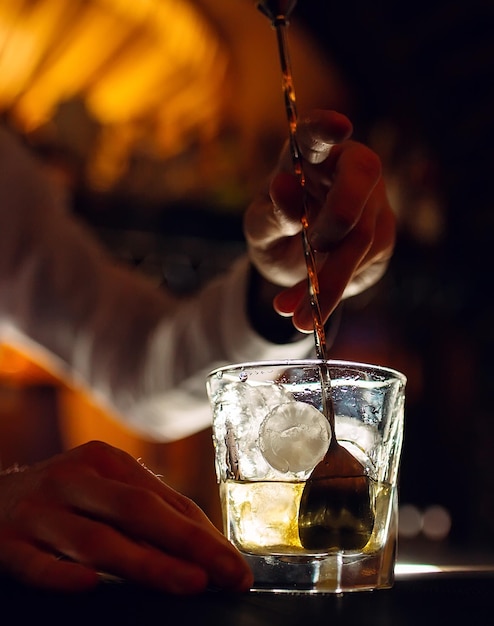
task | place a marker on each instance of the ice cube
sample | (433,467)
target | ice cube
(239,411)
(274,394)
(294,437)
(241,404)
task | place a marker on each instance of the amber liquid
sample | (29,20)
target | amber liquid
(263,518)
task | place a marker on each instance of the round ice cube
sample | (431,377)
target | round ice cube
(294,437)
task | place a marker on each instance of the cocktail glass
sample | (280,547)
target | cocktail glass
(269,433)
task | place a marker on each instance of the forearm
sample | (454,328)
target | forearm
(137,347)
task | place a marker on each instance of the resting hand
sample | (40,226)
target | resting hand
(351,224)
(102,511)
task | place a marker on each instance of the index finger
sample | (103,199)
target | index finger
(117,518)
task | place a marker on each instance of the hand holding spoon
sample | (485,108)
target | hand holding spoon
(335,508)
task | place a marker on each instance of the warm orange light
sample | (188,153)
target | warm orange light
(154,67)
(175,84)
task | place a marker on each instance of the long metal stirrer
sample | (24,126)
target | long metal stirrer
(279,21)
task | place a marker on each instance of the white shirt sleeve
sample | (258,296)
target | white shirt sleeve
(141,351)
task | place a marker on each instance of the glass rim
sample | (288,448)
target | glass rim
(309,363)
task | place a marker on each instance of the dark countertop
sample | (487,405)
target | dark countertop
(446,598)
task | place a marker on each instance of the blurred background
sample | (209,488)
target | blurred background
(164,116)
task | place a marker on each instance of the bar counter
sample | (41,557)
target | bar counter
(446,598)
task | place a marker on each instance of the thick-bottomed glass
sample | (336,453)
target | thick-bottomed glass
(269,433)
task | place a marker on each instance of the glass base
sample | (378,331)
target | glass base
(334,573)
